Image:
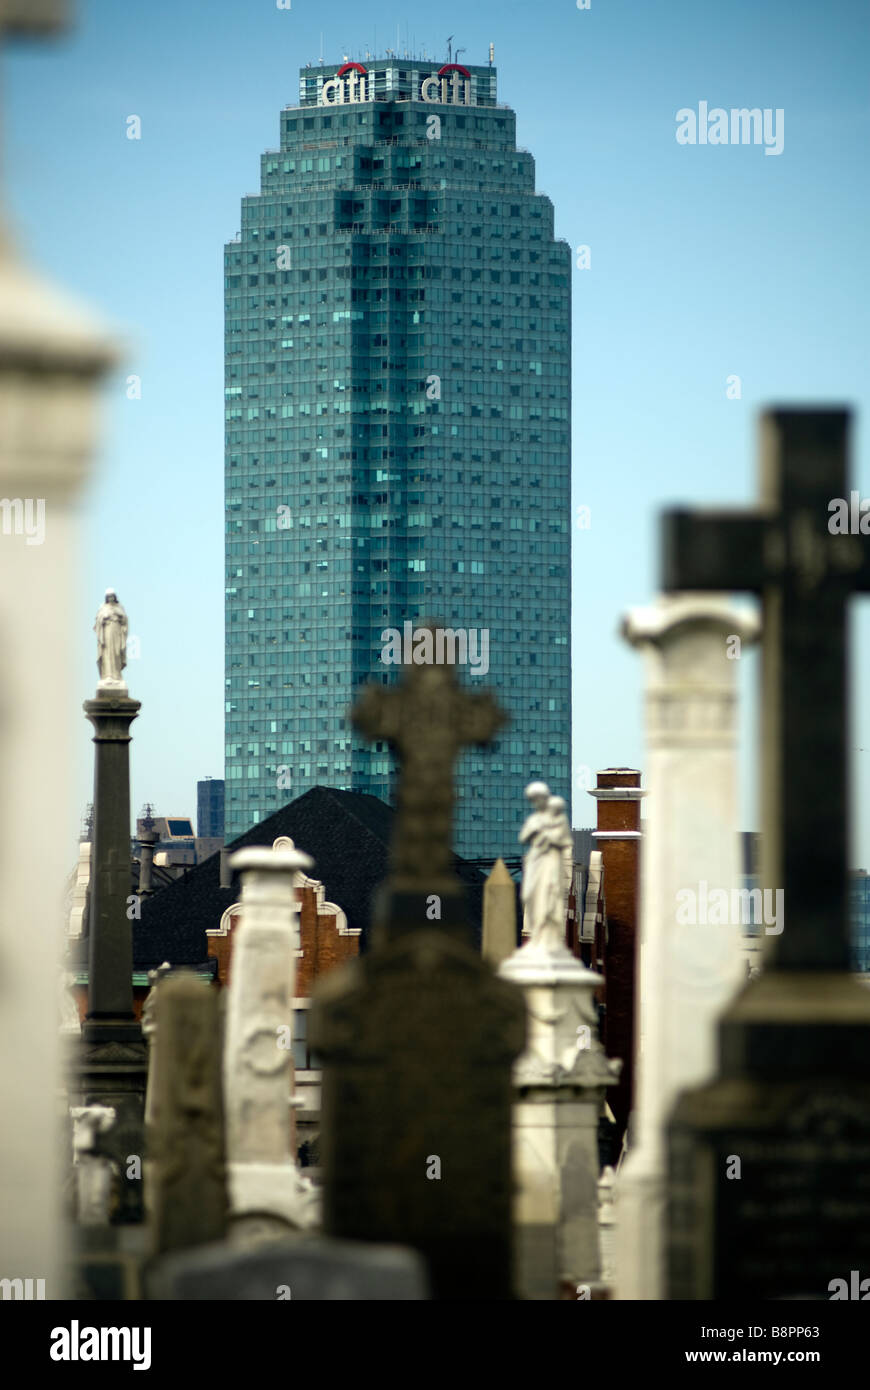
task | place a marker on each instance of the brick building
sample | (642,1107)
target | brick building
(617,838)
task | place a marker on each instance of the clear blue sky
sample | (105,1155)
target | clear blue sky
(706,261)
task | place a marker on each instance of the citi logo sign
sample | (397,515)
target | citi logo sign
(22,1288)
(450,86)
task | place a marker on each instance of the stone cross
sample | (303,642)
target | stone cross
(755,1155)
(428,719)
(805,575)
(417,1037)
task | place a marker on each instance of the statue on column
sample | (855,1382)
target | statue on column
(547,868)
(111,629)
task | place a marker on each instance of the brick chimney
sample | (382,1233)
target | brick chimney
(618,836)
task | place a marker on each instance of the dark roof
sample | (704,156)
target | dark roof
(347,835)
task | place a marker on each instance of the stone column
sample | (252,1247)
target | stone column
(559,1083)
(267,1192)
(52,358)
(688,969)
(114,1062)
(110,948)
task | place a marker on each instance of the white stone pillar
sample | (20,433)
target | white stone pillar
(51,359)
(560,1083)
(267,1192)
(688,969)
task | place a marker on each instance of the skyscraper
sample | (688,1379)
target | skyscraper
(210,807)
(397,437)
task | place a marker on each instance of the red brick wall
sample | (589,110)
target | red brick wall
(322,945)
(621,862)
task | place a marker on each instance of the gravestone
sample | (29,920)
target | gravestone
(305,1269)
(148,1019)
(187,1198)
(52,360)
(268,1195)
(768,1163)
(690,967)
(418,1036)
(93,1169)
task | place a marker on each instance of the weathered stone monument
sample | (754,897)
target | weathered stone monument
(768,1163)
(268,1194)
(52,358)
(560,1078)
(499,937)
(187,1197)
(691,962)
(93,1170)
(113,1065)
(418,1036)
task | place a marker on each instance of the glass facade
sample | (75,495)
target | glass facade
(210,807)
(397,438)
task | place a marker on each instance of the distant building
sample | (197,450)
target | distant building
(177,848)
(210,808)
(584,844)
(398,394)
(176,842)
(859,904)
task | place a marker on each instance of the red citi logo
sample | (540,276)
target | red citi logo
(450,86)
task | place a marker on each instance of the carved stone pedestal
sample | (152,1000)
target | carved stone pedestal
(559,1084)
(268,1195)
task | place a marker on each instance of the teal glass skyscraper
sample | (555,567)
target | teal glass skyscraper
(397,439)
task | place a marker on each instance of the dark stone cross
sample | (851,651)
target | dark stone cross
(768,1195)
(417,1037)
(805,576)
(429,718)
